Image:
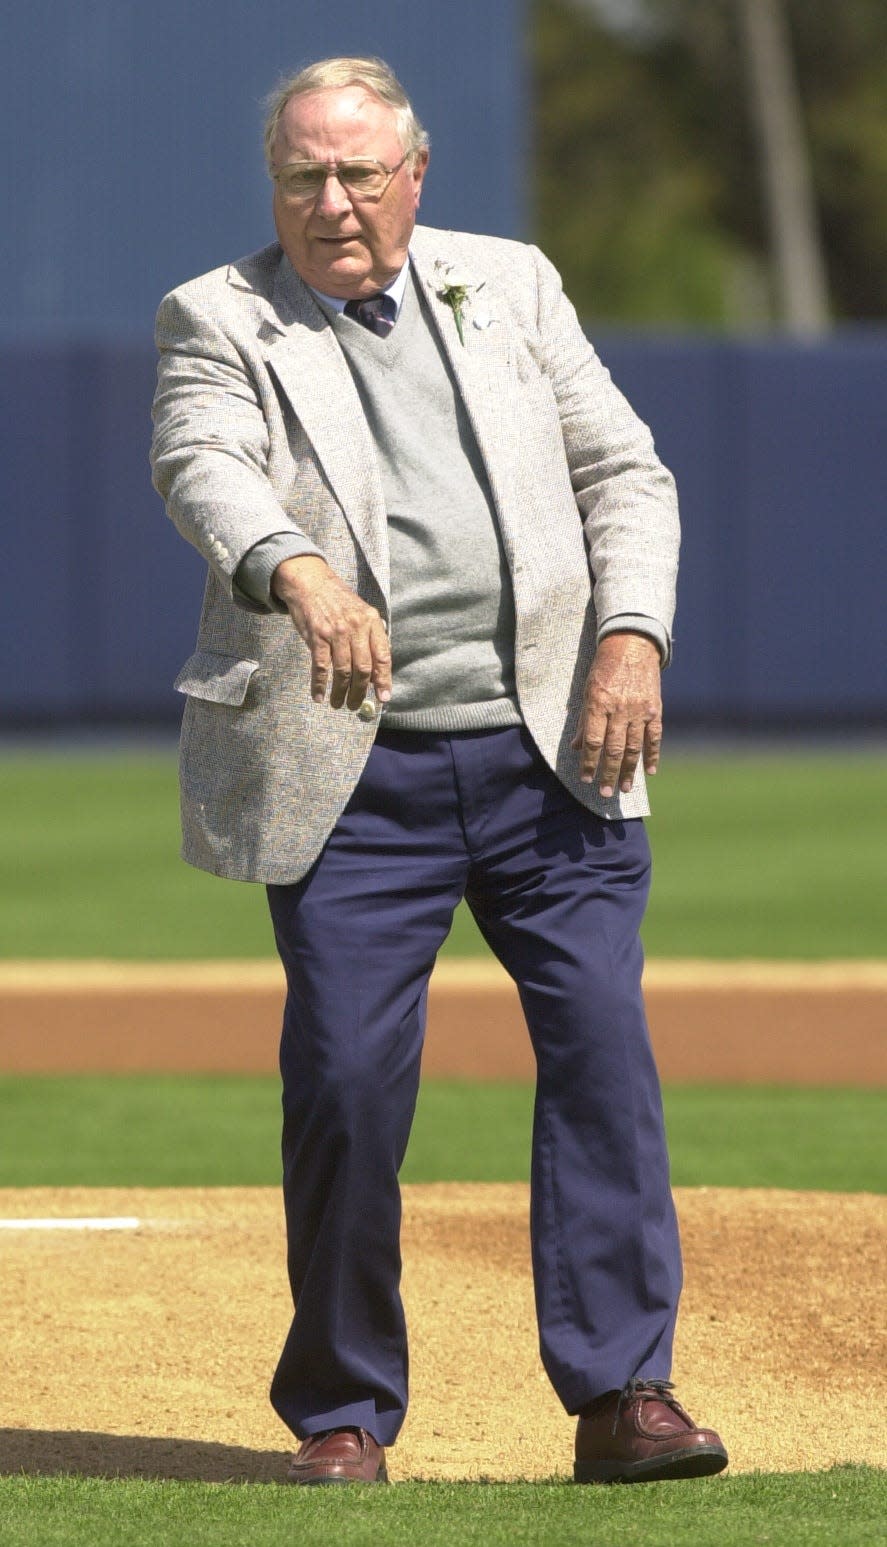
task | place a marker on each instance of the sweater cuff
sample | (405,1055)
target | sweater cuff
(255,570)
(639,623)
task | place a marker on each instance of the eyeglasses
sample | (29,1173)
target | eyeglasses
(364,179)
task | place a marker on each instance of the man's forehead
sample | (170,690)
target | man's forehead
(338,108)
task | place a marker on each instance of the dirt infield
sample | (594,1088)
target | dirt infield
(741,1022)
(147,1351)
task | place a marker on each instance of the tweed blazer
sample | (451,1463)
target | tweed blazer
(259,429)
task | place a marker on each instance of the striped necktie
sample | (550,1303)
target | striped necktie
(377,313)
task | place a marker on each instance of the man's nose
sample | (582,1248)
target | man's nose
(332,198)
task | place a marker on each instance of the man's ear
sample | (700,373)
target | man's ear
(420,167)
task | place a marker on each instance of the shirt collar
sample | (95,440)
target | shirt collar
(396,290)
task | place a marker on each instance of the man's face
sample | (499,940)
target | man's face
(345,247)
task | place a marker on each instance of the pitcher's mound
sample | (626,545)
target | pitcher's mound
(146,1350)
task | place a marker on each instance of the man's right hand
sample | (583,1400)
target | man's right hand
(347,639)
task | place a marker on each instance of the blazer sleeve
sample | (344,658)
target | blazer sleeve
(626,497)
(210,449)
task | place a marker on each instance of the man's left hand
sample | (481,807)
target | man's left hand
(621,717)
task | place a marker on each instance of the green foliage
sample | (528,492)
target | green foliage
(223,1131)
(648,188)
(624,202)
(842,64)
(843,1505)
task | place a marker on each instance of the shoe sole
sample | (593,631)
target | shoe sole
(338,1482)
(654,1469)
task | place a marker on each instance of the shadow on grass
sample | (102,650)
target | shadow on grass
(74,1452)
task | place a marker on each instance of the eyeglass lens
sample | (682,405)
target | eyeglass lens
(306,178)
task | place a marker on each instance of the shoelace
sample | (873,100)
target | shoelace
(637,1387)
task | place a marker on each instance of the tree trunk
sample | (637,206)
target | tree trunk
(796,250)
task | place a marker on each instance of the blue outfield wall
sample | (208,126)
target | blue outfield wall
(780,453)
(133,161)
(132,136)
(781,462)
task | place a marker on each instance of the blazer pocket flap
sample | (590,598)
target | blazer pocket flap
(220,679)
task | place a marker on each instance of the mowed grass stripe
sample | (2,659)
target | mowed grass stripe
(844,1504)
(756,856)
(221,1130)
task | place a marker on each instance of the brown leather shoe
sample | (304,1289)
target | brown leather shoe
(338,1456)
(642,1435)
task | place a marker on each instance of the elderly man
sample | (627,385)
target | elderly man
(441,558)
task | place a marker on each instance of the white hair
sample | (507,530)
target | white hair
(328,74)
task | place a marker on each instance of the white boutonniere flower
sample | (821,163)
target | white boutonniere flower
(454,287)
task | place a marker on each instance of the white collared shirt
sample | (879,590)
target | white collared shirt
(396,290)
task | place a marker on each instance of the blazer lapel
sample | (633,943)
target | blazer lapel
(480,364)
(314,374)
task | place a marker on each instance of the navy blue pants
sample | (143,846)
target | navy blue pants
(559,896)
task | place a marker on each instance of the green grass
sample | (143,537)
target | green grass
(206,1131)
(755,856)
(753,1136)
(843,1506)
(769,856)
(777,855)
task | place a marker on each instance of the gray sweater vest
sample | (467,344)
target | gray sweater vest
(452,609)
